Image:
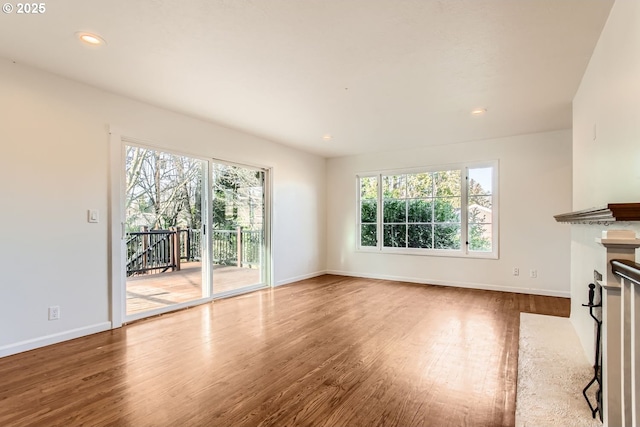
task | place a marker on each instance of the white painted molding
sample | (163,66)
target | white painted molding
(117,252)
(46,340)
(619,245)
(469,285)
(618,234)
(618,248)
(298,278)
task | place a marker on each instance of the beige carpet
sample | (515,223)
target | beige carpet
(552,371)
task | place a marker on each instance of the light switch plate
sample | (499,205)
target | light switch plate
(93,215)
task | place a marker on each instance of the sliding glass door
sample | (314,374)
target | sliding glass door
(193,229)
(164,218)
(238,235)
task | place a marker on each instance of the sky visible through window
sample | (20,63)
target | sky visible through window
(482,176)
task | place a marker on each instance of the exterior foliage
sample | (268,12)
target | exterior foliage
(237,198)
(424,211)
(163,190)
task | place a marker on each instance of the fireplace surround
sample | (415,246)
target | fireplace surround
(620,353)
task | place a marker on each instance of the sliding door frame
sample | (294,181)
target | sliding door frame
(116,228)
(117,214)
(266,275)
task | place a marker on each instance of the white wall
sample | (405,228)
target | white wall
(54,166)
(605,169)
(535,184)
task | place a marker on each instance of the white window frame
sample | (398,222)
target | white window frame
(464,251)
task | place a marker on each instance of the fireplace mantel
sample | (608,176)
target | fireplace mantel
(605,215)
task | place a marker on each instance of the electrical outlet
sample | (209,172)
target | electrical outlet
(516,271)
(54,312)
(533,273)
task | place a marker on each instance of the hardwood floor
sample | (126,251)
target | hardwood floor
(328,351)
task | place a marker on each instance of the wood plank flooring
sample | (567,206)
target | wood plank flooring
(328,351)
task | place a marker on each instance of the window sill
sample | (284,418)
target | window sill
(431,252)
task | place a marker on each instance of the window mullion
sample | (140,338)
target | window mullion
(406,211)
(379,213)
(464,200)
(433,211)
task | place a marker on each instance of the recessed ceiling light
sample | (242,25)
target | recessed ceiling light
(90,39)
(327,137)
(478,111)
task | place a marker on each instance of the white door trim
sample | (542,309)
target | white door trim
(116,228)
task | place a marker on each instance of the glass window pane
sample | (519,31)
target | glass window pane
(424,210)
(368,235)
(480,180)
(395,236)
(369,187)
(420,236)
(420,210)
(420,185)
(447,209)
(369,211)
(486,201)
(446,236)
(164,191)
(480,237)
(395,211)
(480,209)
(447,183)
(394,186)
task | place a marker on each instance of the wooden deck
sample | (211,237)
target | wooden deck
(163,289)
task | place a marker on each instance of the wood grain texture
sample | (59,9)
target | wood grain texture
(328,351)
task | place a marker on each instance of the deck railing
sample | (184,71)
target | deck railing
(236,247)
(190,244)
(151,251)
(157,251)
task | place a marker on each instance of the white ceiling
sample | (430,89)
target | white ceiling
(375,74)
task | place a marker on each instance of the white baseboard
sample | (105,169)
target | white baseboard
(298,278)
(34,343)
(471,285)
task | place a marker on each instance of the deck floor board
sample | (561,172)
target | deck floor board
(150,291)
